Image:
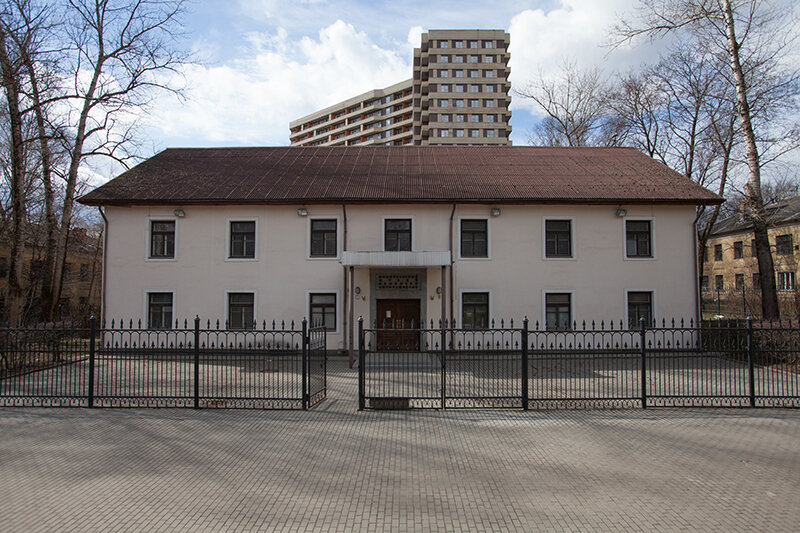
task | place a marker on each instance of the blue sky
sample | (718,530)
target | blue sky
(262,63)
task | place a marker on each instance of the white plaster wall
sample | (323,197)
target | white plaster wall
(515,275)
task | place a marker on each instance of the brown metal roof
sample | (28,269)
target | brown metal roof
(524,174)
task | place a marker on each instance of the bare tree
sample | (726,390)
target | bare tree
(761,39)
(574,104)
(128,48)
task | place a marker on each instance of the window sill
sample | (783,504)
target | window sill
(240,259)
(322,258)
(160,259)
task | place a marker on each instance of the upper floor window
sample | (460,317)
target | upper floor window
(444,88)
(717,252)
(558,310)
(242,240)
(162,239)
(558,238)
(444,118)
(474,238)
(640,306)
(460,88)
(473,44)
(159,310)
(488,44)
(488,88)
(241,310)
(458,44)
(459,59)
(488,59)
(444,59)
(323,238)
(397,235)
(322,308)
(444,44)
(784,245)
(638,238)
(474,310)
(753,252)
(458,73)
(703,283)
(738,250)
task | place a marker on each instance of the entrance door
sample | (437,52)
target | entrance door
(398,315)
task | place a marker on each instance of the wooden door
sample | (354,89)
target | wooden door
(398,315)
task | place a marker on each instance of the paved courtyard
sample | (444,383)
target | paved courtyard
(335,469)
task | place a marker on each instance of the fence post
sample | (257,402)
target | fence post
(444,370)
(361,358)
(525,364)
(642,323)
(750,362)
(92,333)
(305,363)
(197,362)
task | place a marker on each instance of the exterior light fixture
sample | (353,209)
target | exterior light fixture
(357,290)
(622,212)
(179,213)
(495,211)
(302,212)
(438,290)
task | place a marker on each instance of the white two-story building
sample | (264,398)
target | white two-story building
(399,234)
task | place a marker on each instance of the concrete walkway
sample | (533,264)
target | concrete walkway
(335,469)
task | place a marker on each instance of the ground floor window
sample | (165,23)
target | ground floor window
(323,310)
(475,310)
(558,310)
(785,281)
(241,310)
(640,306)
(159,310)
(719,282)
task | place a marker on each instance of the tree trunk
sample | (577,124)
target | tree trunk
(15,290)
(754,208)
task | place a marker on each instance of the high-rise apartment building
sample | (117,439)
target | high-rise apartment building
(459,94)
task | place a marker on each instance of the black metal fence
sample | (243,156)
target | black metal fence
(185,366)
(733,363)
(744,301)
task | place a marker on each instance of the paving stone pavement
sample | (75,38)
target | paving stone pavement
(335,469)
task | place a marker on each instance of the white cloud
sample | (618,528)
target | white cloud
(251,100)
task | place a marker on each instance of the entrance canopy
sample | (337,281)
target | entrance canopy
(396,259)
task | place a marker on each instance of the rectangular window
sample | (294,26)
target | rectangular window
(489,88)
(397,235)
(458,103)
(459,59)
(738,281)
(558,310)
(444,74)
(490,133)
(243,240)
(488,103)
(459,133)
(474,88)
(703,283)
(444,118)
(488,59)
(753,252)
(640,305)
(461,88)
(719,282)
(474,133)
(474,310)
(490,118)
(756,280)
(444,59)
(784,245)
(474,238)
(323,310)
(461,118)
(717,252)
(159,310)
(458,44)
(444,133)
(444,44)
(488,44)
(785,281)
(83,275)
(473,73)
(474,59)
(558,238)
(162,239)
(458,73)
(4,267)
(488,73)
(738,250)
(473,44)
(638,238)
(241,310)
(323,238)
(474,102)
(444,103)
(444,88)
(474,118)
(705,254)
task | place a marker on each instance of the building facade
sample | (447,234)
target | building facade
(382,233)
(730,278)
(458,95)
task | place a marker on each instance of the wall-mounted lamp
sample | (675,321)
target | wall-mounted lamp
(438,290)
(357,290)
(302,212)
(622,212)
(495,211)
(179,213)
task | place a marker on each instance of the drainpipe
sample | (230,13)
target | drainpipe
(452,262)
(105,261)
(697,299)
(346,323)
